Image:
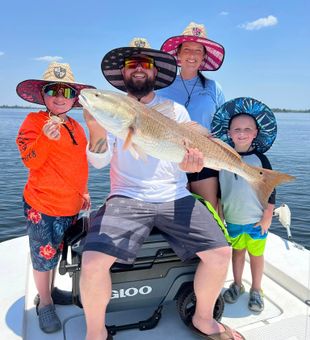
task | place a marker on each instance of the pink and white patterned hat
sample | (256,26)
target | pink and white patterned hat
(196,33)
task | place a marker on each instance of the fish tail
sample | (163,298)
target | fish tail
(268,181)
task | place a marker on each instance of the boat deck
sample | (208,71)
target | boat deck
(286,315)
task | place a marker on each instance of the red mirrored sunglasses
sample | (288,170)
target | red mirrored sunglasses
(134,62)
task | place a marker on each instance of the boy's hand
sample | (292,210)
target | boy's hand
(265,224)
(86,202)
(52,130)
(265,221)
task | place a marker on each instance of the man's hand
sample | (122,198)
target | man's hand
(192,161)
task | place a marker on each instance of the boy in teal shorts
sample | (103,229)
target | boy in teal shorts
(250,127)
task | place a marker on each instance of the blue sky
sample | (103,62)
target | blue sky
(266,42)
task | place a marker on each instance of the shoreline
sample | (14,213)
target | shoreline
(78,108)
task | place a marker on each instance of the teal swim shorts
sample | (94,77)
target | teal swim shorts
(247,237)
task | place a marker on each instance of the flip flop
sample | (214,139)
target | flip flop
(228,334)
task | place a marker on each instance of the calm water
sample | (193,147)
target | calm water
(290,153)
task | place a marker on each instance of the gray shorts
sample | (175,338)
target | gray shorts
(120,227)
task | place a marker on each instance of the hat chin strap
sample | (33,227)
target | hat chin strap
(54,114)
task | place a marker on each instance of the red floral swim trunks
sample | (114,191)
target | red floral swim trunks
(45,237)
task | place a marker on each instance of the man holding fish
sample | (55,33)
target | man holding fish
(146,191)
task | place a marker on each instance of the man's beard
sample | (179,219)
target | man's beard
(139,89)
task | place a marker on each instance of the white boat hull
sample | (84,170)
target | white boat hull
(286,315)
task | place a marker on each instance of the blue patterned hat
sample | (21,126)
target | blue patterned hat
(265,119)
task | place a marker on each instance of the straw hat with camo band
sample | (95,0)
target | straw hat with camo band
(265,120)
(215,52)
(113,62)
(31,89)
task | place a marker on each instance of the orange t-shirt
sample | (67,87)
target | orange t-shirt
(58,170)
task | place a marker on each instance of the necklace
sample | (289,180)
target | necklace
(189,94)
(70,131)
(55,118)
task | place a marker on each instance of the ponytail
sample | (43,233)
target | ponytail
(202,79)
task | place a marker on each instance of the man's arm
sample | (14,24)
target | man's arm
(97,151)
(33,143)
(98,145)
(97,134)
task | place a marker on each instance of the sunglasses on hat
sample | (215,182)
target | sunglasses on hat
(53,89)
(133,62)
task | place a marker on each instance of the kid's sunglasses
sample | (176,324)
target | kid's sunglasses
(53,90)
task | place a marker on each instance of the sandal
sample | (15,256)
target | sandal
(48,319)
(256,301)
(228,333)
(231,295)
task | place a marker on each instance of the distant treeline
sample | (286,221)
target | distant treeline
(27,107)
(289,110)
(20,107)
(78,108)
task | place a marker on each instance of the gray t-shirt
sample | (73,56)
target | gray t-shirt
(239,200)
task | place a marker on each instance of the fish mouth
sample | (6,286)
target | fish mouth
(83,101)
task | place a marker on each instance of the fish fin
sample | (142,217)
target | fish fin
(268,181)
(133,152)
(128,139)
(134,149)
(166,108)
(137,152)
(196,127)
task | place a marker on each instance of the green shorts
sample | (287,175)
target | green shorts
(247,237)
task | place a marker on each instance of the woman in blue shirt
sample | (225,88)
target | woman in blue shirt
(201,96)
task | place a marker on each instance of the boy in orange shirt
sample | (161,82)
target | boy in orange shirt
(53,147)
